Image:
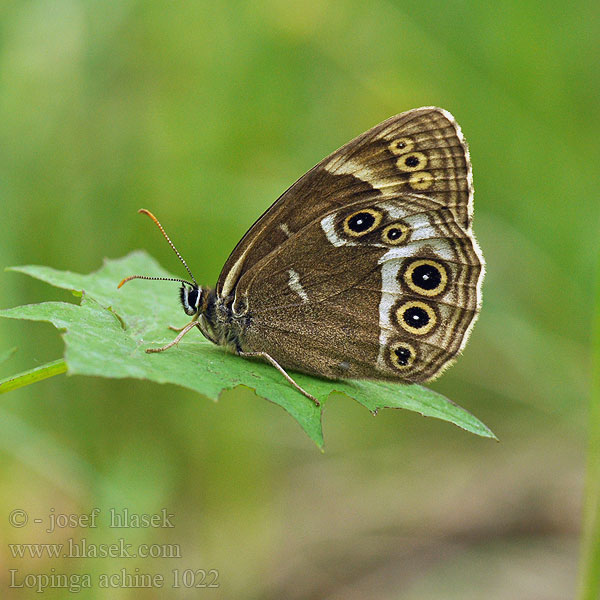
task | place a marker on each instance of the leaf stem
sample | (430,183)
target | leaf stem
(589,571)
(50,369)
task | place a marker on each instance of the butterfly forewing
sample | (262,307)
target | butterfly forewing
(421,151)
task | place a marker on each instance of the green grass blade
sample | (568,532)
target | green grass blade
(50,369)
(589,575)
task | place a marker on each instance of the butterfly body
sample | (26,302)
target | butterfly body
(366,267)
(220,325)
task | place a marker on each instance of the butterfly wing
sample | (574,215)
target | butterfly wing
(380,289)
(421,151)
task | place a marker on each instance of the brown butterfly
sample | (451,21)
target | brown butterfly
(365,268)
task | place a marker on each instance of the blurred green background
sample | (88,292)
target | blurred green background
(204,113)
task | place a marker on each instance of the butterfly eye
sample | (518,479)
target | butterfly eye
(190,299)
(414,161)
(426,277)
(193,298)
(401,146)
(416,317)
(402,355)
(362,222)
(394,234)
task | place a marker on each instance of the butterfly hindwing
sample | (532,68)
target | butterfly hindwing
(380,289)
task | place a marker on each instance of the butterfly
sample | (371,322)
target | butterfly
(365,268)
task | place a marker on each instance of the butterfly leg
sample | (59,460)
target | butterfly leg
(271,360)
(178,329)
(183,330)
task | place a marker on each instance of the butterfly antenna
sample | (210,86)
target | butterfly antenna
(154,279)
(157,222)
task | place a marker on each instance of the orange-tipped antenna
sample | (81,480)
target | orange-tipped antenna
(147,212)
(155,279)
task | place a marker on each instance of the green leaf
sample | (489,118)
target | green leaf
(107,334)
